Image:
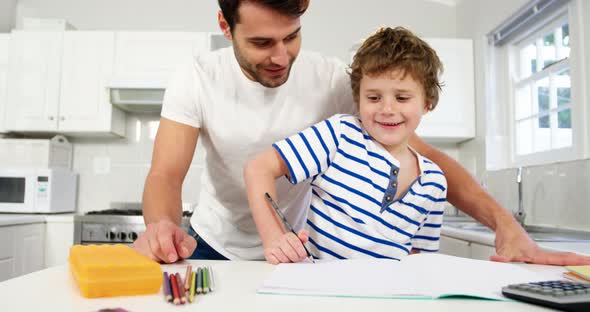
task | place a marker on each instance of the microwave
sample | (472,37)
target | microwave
(37,190)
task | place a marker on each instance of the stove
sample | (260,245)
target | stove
(114,226)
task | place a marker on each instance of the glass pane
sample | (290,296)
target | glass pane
(524,133)
(541,134)
(523,107)
(564,41)
(565,34)
(528,60)
(562,135)
(548,50)
(542,87)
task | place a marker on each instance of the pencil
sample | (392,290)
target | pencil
(167,292)
(191,296)
(182,292)
(286,223)
(174,285)
(211,279)
(199,280)
(205,280)
(187,277)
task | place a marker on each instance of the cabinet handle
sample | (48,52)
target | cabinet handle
(62,118)
(51,118)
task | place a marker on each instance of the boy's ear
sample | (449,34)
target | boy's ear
(427,106)
(224,26)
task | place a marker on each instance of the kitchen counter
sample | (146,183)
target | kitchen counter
(18,219)
(54,289)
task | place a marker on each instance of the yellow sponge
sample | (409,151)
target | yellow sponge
(113,270)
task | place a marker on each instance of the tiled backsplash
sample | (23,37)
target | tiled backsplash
(114,169)
(555,195)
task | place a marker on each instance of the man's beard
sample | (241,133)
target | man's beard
(252,70)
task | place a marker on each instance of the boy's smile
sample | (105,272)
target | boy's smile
(391,106)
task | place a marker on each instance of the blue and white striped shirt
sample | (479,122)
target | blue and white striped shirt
(354,180)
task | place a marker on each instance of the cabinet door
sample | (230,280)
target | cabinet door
(482,252)
(87,66)
(7,253)
(453,119)
(454,247)
(29,248)
(34,73)
(4,42)
(59,237)
(155,55)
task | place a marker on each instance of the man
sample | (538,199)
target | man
(238,101)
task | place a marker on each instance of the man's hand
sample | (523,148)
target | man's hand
(514,244)
(164,241)
(287,248)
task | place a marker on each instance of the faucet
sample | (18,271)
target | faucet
(520,215)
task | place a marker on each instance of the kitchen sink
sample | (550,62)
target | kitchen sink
(537,233)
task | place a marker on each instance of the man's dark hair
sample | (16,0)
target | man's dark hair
(294,8)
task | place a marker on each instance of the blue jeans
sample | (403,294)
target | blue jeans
(203,250)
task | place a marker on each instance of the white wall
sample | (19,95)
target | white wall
(7,15)
(329,26)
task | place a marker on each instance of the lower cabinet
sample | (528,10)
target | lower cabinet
(59,237)
(466,249)
(22,249)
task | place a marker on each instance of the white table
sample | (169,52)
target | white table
(54,289)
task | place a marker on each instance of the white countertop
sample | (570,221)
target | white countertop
(53,289)
(486,238)
(17,219)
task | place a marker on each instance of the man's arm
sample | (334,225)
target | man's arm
(512,242)
(163,239)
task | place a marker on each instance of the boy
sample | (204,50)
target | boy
(372,194)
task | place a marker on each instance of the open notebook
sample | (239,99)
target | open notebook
(420,276)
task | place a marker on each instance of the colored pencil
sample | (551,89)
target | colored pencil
(174,285)
(211,279)
(199,280)
(181,289)
(205,280)
(166,287)
(286,223)
(191,296)
(187,277)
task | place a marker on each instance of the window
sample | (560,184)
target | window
(542,97)
(535,92)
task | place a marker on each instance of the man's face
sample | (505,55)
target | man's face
(266,44)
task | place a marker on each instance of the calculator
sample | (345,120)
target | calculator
(561,295)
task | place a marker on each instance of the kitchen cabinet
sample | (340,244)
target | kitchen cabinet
(154,56)
(453,119)
(21,249)
(59,237)
(467,249)
(34,73)
(57,83)
(4,49)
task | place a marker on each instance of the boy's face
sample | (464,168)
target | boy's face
(391,108)
(266,43)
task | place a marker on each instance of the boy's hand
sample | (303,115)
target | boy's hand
(287,248)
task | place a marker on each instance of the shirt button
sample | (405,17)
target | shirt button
(387,198)
(393,184)
(395,172)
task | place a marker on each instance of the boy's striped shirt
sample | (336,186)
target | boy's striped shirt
(354,179)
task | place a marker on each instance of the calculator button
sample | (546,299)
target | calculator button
(569,292)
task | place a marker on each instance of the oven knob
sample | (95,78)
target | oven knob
(133,236)
(111,235)
(121,236)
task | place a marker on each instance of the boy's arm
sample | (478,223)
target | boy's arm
(512,242)
(260,174)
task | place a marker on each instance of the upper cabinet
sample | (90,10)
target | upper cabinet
(453,119)
(155,55)
(4,44)
(34,74)
(57,83)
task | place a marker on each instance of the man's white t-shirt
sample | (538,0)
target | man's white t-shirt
(238,119)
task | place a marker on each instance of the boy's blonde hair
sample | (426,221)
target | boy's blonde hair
(397,49)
